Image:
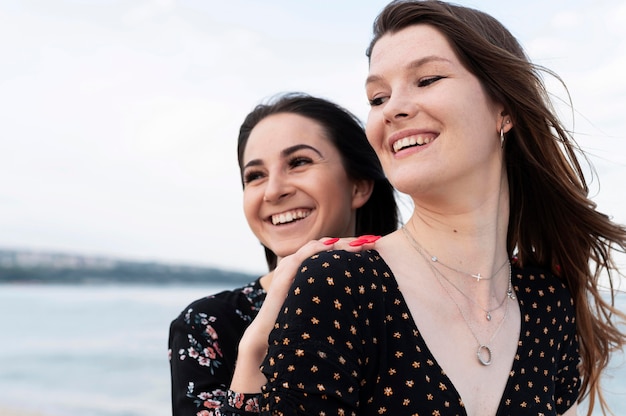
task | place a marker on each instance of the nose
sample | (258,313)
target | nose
(278,187)
(399,106)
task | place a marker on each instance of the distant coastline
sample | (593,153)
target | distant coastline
(41,267)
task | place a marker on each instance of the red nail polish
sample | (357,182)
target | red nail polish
(364,239)
(370,238)
(356,243)
(331,241)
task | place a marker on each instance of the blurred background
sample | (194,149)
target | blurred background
(118,127)
(119,119)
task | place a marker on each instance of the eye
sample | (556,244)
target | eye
(299,161)
(251,176)
(374,102)
(425,82)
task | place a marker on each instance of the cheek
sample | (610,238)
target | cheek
(251,204)
(338,201)
(373,129)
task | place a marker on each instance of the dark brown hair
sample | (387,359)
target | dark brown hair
(552,224)
(379,215)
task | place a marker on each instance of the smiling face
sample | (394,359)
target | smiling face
(295,185)
(431,123)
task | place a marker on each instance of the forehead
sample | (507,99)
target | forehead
(411,43)
(278,131)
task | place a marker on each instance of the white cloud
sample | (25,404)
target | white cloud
(118,122)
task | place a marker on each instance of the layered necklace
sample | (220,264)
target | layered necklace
(476,276)
(484,352)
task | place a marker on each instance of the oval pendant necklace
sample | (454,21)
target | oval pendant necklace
(484,352)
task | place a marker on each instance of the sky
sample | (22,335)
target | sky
(119,119)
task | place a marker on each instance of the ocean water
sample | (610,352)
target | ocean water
(88,350)
(102,350)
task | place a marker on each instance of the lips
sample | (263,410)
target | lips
(290,216)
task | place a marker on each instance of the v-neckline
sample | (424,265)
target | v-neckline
(426,350)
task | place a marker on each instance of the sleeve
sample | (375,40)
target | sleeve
(203,342)
(568,379)
(240,404)
(322,343)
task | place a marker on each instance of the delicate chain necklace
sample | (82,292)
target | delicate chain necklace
(422,252)
(509,294)
(483,349)
(476,276)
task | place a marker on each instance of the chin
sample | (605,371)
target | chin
(283,252)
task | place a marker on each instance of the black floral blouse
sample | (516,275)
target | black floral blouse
(203,344)
(347,345)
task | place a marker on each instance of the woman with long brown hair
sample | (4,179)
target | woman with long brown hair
(489,300)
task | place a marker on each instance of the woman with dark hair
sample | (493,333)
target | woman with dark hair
(308,172)
(488,301)
(360,163)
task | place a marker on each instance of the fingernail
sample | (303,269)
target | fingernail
(331,241)
(364,239)
(370,238)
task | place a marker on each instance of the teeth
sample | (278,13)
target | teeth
(411,141)
(290,216)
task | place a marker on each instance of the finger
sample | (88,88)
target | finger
(363,242)
(288,266)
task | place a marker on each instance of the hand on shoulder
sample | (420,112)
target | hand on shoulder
(253,345)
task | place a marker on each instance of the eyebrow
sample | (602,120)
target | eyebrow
(285,153)
(412,65)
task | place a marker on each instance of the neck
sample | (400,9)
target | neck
(469,233)
(266,280)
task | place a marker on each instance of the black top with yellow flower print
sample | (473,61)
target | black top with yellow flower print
(345,344)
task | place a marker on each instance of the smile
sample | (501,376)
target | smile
(411,141)
(290,216)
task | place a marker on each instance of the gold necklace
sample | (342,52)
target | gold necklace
(484,353)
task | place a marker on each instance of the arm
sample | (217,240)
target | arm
(203,345)
(253,347)
(245,389)
(322,354)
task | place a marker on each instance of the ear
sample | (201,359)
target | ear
(504,122)
(361,191)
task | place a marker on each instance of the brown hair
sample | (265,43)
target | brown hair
(552,224)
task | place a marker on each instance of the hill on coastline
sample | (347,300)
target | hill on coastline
(24,266)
